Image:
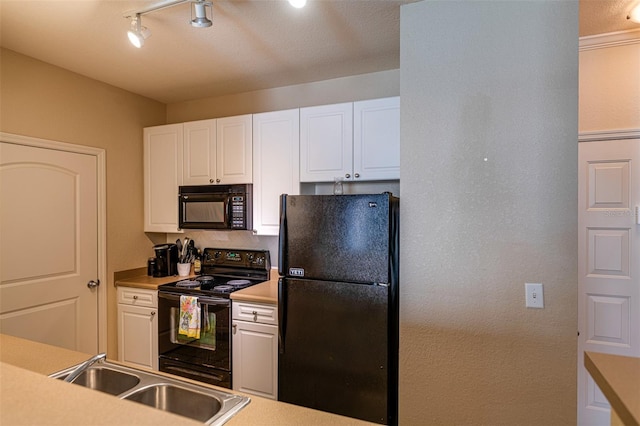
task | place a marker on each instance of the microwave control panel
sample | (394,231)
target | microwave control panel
(238,212)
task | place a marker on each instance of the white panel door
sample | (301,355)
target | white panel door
(49,246)
(608,262)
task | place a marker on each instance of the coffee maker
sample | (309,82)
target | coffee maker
(166,260)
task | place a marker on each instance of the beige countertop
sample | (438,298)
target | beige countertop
(28,397)
(266,292)
(149,283)
(618,377)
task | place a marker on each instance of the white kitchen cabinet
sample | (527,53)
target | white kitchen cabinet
(163,146)
(326,142)
(199,161)
(276,165)
(376,139)
(138,327)
(218,151)
(255,348)
(357,141)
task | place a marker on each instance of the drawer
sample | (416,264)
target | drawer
(138,297)
(255,312)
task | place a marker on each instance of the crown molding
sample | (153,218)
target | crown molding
(601,41)
(608,135)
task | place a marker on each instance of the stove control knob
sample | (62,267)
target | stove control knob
(260,260)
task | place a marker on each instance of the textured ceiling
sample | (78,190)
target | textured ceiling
(252,45)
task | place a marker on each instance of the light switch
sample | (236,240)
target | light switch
(534,295)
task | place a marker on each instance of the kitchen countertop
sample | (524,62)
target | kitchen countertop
(618,377)
(266,292)
(149,283)
(24,365)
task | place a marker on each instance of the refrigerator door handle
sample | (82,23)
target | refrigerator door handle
(282,236)
(282,314)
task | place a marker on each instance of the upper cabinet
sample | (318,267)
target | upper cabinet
(354,141)
(162,176)
(276,165)
(326,142)
(218,151)
(376,139)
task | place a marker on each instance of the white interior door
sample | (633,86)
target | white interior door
(609,262)
(49,246)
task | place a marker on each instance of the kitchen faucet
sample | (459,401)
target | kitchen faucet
(83,367)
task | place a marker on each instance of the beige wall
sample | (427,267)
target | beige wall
(610,86)
(354,88)
(489,200)
(44,101)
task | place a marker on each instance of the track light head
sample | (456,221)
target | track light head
(199,14)
(137,33)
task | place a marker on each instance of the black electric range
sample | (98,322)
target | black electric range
(224,271)
(206,356)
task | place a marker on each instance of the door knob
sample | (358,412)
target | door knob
(93,284)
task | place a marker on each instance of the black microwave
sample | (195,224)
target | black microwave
(215,207)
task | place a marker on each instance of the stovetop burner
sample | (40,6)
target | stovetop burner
(225,271)
(188,284)
(237,283)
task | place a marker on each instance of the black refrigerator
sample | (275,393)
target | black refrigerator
(338,304)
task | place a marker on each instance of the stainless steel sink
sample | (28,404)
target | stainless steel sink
(201,403)
(106,380)
(178,400)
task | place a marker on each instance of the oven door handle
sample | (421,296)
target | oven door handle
(201,299)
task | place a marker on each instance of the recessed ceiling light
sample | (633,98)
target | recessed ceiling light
(298,3)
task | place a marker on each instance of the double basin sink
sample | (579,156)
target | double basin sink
(207,405)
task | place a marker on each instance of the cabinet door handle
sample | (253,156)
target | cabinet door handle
(153,313)
(135,297)
(255,316)
(357,175)
(211,180)
(235,328)
(347,176)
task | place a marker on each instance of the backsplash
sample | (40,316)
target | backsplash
(230,239)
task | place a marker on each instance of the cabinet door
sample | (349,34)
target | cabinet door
(199,165)
(326,142)
(276,166)
(162,177)
(234,150)
(255,359)
(138,336)
(376,139)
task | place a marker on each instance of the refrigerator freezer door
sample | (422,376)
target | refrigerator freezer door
(334,348)
(339,238)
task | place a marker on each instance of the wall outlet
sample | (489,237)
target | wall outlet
(534,295)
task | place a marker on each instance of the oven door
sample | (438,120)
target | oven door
(212,349)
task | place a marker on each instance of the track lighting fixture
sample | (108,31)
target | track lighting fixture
(137,33)
(199,19)
(199,14)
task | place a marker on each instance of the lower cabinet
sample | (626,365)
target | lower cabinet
(255,349)
(138,327)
